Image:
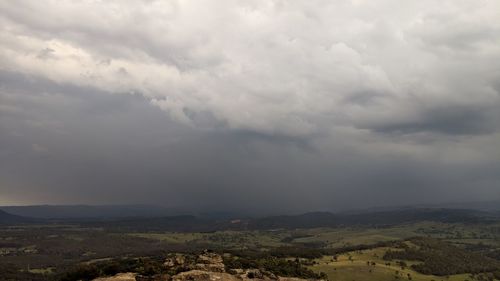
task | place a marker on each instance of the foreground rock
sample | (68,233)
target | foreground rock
(201,275)
(157,277)
(207,266)
(210,262)
(210,267)
(129,276)
(176,261)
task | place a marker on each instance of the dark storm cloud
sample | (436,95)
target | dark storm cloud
(293,106)
(454,120)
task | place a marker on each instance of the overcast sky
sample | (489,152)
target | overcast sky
(269,106)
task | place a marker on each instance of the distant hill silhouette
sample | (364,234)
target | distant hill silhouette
(308,220)
(407,215)
(6,218)
(88,211)
(150,218)
(149,211)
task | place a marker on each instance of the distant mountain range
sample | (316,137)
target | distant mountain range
(148,211)
(308,220)
(88,211)
(392,217)
(147,218)
(490,206)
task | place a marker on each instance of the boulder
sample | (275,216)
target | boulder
(175,261)
(208,261)
(210,267)
(210,258)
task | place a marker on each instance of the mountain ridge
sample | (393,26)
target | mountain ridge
(8,218)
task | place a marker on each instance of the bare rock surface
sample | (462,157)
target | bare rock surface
(129,276)
(207,266)
(292,279)
(177,260)
(210,262)
(240,275)
(157,277)
(201,275)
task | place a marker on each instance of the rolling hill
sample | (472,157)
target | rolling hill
(6,218)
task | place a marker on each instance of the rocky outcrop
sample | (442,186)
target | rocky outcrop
(201,275)
(294,279)
(129,276)
(208,261)
(247,275)
(157,277)
(176,261)
(207,266)
(253,274)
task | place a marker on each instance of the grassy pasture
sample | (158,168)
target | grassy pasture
(334,237)
(62,245)
(455,233)
(170,237)
(340,237)
(225,239)
(353,266)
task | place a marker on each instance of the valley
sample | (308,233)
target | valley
(407,249)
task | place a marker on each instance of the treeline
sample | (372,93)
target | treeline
(85,272)
(441,258)
(11,272)
(302,251)
(494,254)
(277,266)
(152,266)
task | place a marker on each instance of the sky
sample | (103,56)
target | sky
(261,106)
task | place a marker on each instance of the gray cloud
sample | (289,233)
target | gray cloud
(269,105)
(470,120)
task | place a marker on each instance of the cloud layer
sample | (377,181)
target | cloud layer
(326,97)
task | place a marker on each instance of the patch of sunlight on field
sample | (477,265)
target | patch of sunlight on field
(354,236)
(455,233)
(490,242)
(245,238)
(355,273)
(237,239)
(358,266)
(48,270)
(170,237)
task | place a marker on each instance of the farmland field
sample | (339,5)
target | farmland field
(350,253)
